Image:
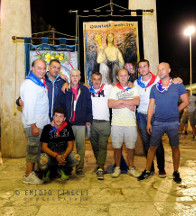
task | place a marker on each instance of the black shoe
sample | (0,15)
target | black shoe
(185,133)
(145,174)
(162,173)
(100,173)
(176,177)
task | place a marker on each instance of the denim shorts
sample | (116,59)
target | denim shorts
(33,146)
(170,128)
(123,133)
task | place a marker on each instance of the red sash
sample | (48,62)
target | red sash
(120,87)
(61,128)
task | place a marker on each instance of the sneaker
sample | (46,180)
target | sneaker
(80,173)
(46,177)
(176,177)
(32,179)
(64,177)
(116,172)
(132,172)
(100,175)
(145,174)
(162,174)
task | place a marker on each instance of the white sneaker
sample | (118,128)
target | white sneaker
(32,179)
(133,172)
(116,172)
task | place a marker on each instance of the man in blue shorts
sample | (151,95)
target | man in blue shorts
(164,102)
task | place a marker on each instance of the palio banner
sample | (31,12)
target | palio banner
(66,54)
(67,59)
(108,46)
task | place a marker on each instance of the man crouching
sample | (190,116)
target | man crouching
(57,146)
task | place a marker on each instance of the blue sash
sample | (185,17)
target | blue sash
(34,79)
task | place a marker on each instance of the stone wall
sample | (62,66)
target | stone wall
(15,21)
(150,34)
(150,42)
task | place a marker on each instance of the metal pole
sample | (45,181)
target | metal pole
(99,11)
(38,38)
(53,35)
(111,7)
(190,44)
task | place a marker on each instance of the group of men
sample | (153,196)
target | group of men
(78,107)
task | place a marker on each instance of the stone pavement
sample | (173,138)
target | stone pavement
(87,196)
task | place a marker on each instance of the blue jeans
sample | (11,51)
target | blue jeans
(160,154)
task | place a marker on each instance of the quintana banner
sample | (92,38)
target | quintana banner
(108,46)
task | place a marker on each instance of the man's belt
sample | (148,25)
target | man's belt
(99,121)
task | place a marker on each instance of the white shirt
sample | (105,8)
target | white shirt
(36,104)
(144,94)
(123,116)
(100,104)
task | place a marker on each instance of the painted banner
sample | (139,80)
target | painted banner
(66,54)
(68,60)
(108,46)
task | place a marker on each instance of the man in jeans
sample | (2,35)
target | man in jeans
(144,84)
(54,81)
(34,94)
(164,106)
(57,146)
(100,128)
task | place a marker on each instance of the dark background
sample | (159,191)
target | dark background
(171,19)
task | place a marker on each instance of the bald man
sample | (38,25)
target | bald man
(122,100)
(164,105)
(34,94)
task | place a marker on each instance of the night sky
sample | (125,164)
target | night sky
(172,20)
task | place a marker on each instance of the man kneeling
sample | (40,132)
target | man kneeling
(57,146)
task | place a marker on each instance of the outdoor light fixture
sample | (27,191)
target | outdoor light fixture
(189,32)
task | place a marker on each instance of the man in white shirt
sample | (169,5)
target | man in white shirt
(34,94)
(144,84)
(100,128)
(123,100)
